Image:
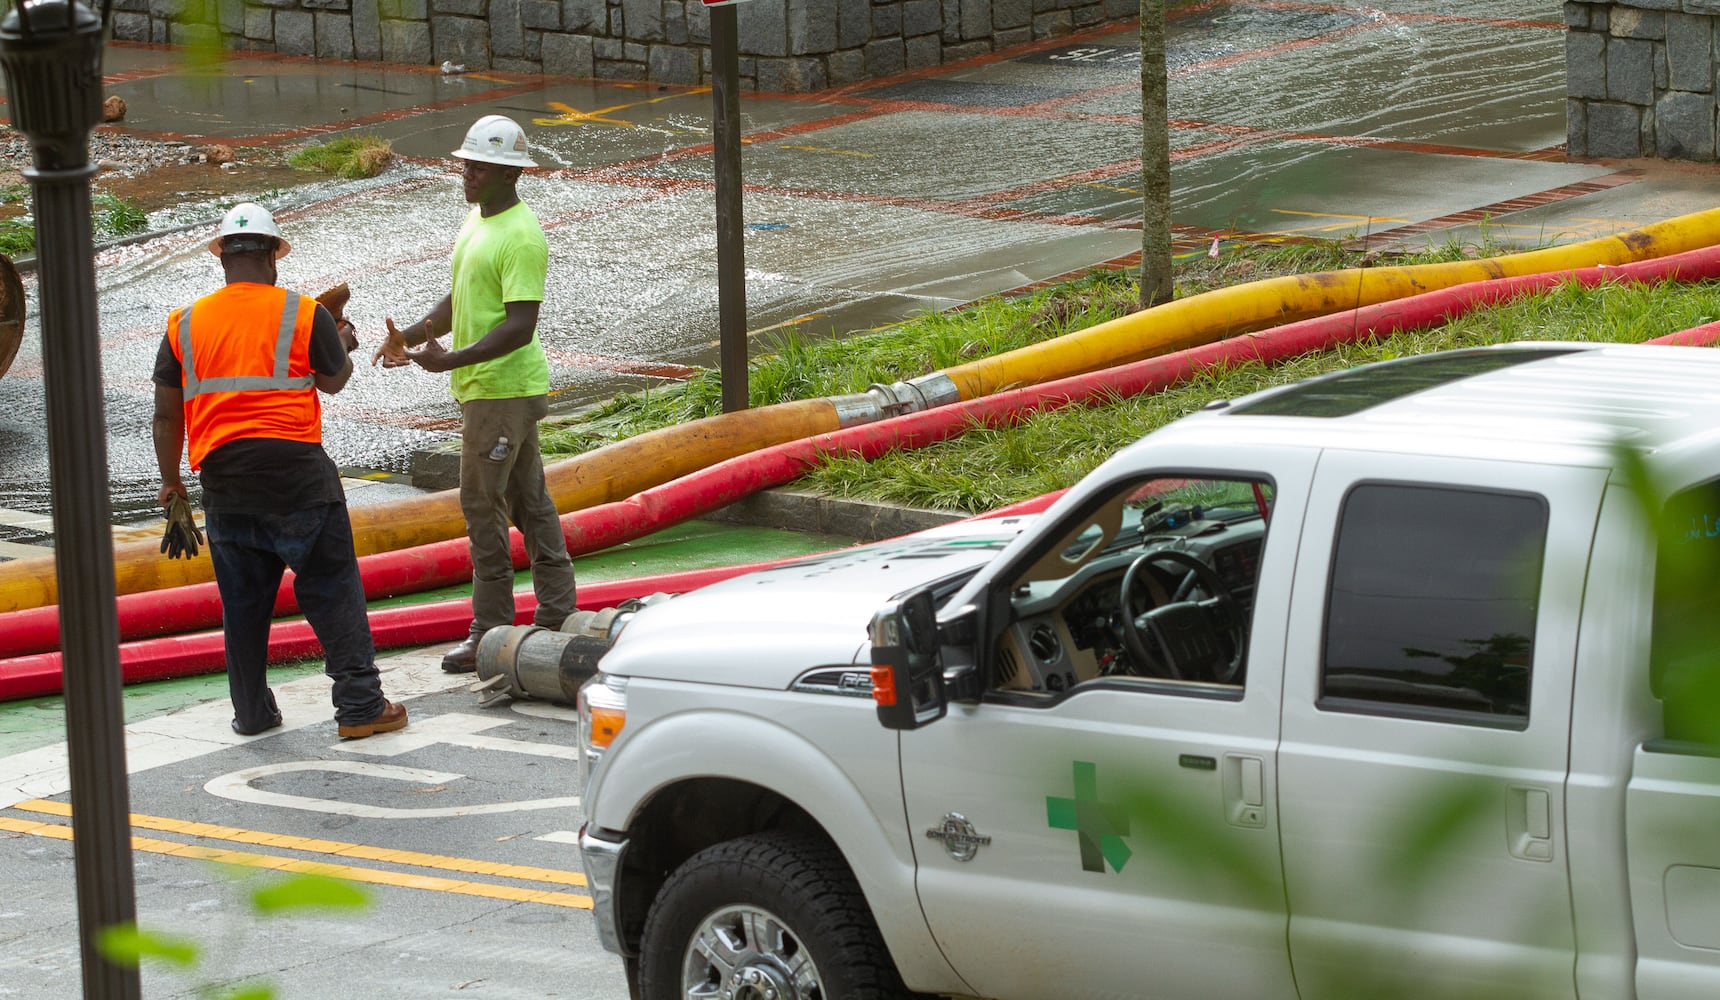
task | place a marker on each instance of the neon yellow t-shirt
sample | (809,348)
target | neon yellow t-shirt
(503,258)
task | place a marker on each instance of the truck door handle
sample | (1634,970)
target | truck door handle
(1245,790)
(1253,782)
(1530,822)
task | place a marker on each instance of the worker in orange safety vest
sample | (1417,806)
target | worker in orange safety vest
(237,375)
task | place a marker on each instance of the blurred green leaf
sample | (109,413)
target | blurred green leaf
(1437,823)
(127,944)
(302,892)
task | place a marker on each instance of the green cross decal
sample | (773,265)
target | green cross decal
(242,221)
(1099,826)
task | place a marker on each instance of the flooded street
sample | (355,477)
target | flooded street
(863,205)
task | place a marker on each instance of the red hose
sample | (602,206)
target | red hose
(1697,336)
(606,525)
(443,621)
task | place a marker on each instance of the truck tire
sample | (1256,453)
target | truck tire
(768,915)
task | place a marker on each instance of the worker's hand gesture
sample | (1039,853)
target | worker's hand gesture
(432,357)
(392,353)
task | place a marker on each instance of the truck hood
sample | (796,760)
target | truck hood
(766,628)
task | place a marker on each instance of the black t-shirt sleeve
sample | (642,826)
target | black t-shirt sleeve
(328,354)
(168,372)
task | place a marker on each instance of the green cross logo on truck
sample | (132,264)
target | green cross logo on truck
(1099,826)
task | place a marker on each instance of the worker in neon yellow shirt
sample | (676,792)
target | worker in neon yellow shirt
(501,379)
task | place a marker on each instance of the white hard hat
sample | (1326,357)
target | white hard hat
(496,139)
(249,219)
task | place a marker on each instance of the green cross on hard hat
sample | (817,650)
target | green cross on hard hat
(239,221)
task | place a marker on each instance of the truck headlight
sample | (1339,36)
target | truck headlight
(602,713)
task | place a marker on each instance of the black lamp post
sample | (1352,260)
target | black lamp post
(51,51)
(731,243)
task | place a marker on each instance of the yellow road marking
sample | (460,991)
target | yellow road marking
(1113,187)
(571,115)
(273,862)
(334,848)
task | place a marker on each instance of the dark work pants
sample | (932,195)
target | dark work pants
(250,552)
(495,490)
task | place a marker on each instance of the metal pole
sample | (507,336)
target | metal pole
(51,51)
(731,246)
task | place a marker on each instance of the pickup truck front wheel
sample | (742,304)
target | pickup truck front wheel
(764,917)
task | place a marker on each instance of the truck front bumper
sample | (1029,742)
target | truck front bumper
(602,851)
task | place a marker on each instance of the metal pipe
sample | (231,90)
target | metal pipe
(528,661)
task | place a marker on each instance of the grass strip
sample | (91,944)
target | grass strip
(984,469)
(988,468)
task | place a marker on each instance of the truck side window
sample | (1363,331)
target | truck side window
(1684,664)
(1151,588)
(1430,611)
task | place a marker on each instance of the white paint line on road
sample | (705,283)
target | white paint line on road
(458,729)
(560,837)
(238,786)
(203,728)
(21,550)
(544,710)
(34,520)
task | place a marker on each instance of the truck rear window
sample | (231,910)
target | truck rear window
(1350,392)
(1432,603)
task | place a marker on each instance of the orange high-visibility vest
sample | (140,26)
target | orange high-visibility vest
(245,355)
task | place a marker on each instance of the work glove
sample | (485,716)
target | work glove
(182,537)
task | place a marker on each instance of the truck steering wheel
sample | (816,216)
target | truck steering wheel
(1184,639)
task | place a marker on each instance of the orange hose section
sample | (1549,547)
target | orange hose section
(612,472)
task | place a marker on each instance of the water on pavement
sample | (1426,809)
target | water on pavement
(863,205)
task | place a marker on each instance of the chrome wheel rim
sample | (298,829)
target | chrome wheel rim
(748,953)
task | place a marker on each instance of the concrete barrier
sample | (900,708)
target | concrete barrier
(785,45)
(1640,78)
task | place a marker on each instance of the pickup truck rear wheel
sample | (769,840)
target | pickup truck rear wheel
(764,917)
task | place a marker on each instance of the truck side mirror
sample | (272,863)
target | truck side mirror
(907,677)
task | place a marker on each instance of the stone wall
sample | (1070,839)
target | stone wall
(1640,78)
(785,45)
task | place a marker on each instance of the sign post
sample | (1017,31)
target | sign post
(731,245)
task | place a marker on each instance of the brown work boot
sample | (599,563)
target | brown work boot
(392,717)
(462,659)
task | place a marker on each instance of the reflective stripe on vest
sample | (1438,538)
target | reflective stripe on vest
(277,382)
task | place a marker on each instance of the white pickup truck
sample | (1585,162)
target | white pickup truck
(1384,684)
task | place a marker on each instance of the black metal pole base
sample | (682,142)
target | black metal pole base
(51,53)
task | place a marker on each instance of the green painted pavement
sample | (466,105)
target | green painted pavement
(37,722)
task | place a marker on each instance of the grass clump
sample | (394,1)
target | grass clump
(114,217)
(17,237)
(350,158)
(111,217)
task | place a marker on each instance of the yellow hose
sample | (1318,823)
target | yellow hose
(624,468)
(1223,312)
